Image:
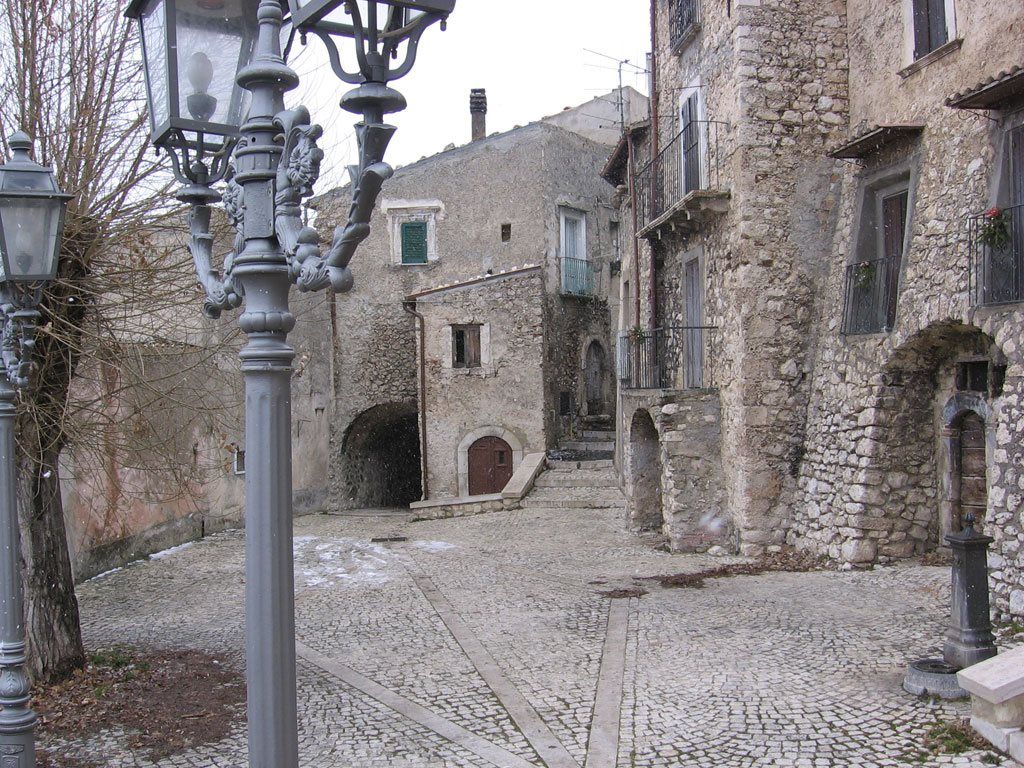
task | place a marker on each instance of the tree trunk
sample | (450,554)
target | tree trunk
(51,607)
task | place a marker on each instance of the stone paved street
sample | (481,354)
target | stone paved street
(484,641)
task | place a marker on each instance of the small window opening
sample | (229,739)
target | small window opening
(564,403)
(998,378)
(238,462)
(506,233)
(972,376)
(465,346)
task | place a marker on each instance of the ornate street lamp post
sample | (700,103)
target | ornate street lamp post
(31,225)
(192,51)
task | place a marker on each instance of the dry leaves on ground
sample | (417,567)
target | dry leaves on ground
(787,560)
(164,701)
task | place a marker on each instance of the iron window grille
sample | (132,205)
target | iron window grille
(683,21)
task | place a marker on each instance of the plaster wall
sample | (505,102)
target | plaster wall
(505,395)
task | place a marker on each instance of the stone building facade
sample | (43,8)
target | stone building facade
(865,318)
(530,196)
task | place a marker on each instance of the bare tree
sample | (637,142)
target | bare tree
(71,78)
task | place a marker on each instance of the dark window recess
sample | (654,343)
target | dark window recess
(972,376)
(506,232)
(414,242)
(998,378)
(872,286)
(929,26)
(564,404)
(998,245)
(465,346)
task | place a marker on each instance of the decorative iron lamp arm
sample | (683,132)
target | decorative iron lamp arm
(198,179)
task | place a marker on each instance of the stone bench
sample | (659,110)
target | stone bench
(996,686)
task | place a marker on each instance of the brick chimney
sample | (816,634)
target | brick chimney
(478,112)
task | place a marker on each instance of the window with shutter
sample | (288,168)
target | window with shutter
(690,129)
(930,29)
(414,242)
(466,346)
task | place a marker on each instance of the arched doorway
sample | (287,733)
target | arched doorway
(380,458)
(490,465)
(645,511)
(970,481)
(594,375)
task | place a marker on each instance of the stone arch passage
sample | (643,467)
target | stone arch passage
(900,504)
(380,464)
(645,503)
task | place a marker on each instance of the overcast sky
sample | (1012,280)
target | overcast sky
(529,54)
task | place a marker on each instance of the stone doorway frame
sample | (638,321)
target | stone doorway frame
(462,454)
(956,407)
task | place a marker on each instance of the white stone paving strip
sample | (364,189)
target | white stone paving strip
(480,747)
(533,727)
(603,746)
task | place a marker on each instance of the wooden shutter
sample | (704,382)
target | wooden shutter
(929,26)
(894,224)
(691,144)
(936,23)
(1016,165)
(414,242)
(472,346)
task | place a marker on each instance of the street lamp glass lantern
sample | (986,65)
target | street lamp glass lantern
(192,52)
(31,216)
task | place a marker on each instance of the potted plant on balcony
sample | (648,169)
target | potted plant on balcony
(995,229)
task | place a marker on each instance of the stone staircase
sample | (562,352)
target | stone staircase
(579,484)
(593,445)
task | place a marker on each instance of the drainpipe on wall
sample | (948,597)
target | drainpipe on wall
(409,306)
(655,136)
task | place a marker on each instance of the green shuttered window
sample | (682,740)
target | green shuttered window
(414,242)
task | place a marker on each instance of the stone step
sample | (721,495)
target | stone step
(581,494)
(577,478)
(531,503)
(599,434)
(587,445)
(560,465)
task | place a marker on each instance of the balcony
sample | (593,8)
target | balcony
(580,277)
(870,305)
(674,357)
(682,185)
(996,240)
(683,22)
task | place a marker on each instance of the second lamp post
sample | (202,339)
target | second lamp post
(210,64)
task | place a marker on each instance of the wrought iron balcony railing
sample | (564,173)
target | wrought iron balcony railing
(870,303)
(683,21)
(674,357)
(690,163)
(580,277)
(996,241)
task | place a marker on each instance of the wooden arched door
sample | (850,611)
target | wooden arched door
(973,466)
(490,466)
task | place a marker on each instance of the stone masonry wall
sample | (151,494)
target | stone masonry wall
(503,396)
(775,74)
(874,482)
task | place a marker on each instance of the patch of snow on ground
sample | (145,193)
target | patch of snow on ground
(172,551)
(433,546)
(105,574)
(331,562)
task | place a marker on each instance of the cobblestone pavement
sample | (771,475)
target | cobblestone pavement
(484,641)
